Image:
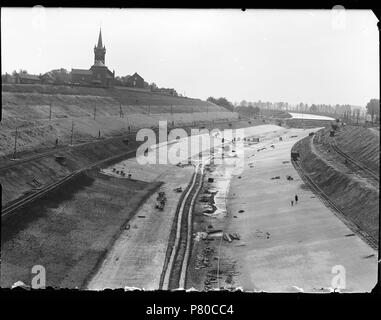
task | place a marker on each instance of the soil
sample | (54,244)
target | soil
(70,230)
(357,197)
(92,110)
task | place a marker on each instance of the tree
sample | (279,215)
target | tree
(256,110)
(222,102)
(212,100)
(314,108)
(23,71)
(373,108)
(153,86)
(60,76)
(243,103)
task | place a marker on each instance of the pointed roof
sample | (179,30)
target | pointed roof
(100,45)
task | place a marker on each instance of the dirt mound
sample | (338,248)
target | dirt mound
(358,201)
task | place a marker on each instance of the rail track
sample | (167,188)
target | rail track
(174,274)
(18,162)
(335,208)
(355,162)
(15,205)
(9,163)
(18,204)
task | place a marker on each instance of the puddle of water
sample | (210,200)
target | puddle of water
(221,185)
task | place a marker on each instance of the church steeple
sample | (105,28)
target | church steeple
(100,39)
(99,50)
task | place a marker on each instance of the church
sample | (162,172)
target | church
(98,74)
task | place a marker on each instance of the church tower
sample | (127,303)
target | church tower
(99,50)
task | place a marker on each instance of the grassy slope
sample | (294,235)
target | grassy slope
(45,94)
(70,230)
(27,107)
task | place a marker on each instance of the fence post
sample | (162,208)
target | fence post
(15,148)
(72,132)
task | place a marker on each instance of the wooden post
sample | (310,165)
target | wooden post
(15,148)
(50,112)
(72,133)
(120,110)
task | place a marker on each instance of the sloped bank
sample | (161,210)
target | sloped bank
(22,179)
(70,230)
(19,180)
(359,203)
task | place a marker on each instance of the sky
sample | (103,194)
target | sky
(309,56)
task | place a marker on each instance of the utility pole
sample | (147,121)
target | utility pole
(72,133)
(193,116)
(15,149)
(95,110)
(50,112)
(120,111)
(171,109)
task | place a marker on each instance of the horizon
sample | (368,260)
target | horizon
(262,49)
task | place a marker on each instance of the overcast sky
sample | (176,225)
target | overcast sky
(270,55)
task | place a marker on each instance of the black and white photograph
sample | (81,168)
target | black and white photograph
(198,150)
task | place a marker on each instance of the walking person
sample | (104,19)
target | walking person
(292,203)
(296,199)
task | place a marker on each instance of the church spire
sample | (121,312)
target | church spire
(100,45)
(99,50)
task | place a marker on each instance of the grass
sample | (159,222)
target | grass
(70,230)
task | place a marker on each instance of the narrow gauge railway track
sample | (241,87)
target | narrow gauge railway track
(336,210)
(18,204)
(357,163)
(18,162)
(174,272)
(9,163)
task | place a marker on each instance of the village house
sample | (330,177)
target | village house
(135,81)
(24,78)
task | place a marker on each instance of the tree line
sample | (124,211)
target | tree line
(348,112)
